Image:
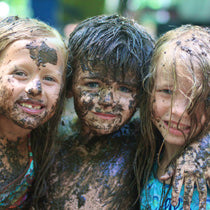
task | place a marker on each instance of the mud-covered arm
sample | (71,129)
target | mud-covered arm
(192,167)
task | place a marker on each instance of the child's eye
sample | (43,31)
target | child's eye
(125,89)
(49,78)
(19,73)
(92,84)
(166,91)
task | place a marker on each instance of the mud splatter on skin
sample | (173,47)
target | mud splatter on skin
(194,163)
(11,156)
(13,112)
(178,43)
(98,175)
(42,54)
(104,97)
(96,91)
(35,90)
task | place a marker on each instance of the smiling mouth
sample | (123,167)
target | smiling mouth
(105,115)
(31,107)
(177,128)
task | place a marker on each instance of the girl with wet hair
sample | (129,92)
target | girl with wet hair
(33,58)
(176,114)
(108,56)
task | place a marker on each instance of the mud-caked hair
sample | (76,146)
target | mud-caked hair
(118,43)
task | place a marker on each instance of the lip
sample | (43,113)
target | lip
(173,130)
(31,106)
(106,116)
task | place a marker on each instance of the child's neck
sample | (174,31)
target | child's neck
(86,136)
(169,152)
(12,132)
(13,159)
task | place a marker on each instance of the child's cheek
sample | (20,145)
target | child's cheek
(132,104)
(6,92)
(5,98)
(129,103)
(88,100)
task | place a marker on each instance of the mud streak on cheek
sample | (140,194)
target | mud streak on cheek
(42,54)
(131,104)
(5,98)
(87,101)
(117,108)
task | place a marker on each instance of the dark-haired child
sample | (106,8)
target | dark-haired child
(109,56)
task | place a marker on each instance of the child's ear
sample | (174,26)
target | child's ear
(69,94)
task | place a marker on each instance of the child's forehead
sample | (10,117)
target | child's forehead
(179,72)
(110,74)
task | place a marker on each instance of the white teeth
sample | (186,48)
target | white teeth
(30,106)
(179,127)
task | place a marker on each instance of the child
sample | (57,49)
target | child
(94,170)
(33,58)
(176,113)
(108,55)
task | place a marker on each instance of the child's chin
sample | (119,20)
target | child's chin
(101,132)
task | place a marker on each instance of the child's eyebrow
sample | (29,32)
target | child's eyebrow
(164,85)
(91,77)
(129,84)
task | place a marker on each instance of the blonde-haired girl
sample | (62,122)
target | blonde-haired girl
(176,113)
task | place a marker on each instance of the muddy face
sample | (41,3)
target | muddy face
(30,81)
(103,101)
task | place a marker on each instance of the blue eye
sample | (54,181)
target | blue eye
(49,78)
(92,84)
(166,91)
(125,89)
(19,73)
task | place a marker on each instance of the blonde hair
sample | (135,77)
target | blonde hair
(14,28)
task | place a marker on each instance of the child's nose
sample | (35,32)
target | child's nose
(106,97)
(34,87)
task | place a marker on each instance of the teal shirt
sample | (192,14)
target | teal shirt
(154,191)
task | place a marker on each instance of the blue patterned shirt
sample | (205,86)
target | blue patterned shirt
(154,191)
